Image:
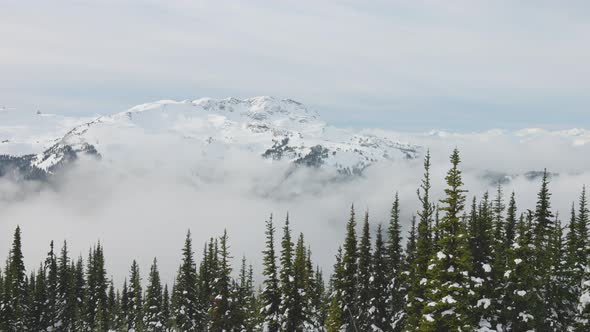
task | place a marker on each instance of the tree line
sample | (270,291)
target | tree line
(477,265)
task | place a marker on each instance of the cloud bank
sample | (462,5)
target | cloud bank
(141,206)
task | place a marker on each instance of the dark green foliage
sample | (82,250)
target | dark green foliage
(153,316)
(448,293)
(364,296)
(271,296)
(187,316)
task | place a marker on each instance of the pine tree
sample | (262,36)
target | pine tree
(271,296)
(562,296)
(544,228)
(51,288)
(334,317)
(582,320)
(79,294)
(315,296)
(15,307)
(482,243)
(520,296)
(348,283)
(125,302)
(39,318)
(113,308)
(246,307)
(424,247)
(287,282)
(97,286)
(363,283)
(395,266)
(66,302)
(379,285)
(449,291)
(335,311)
(135,298)
(166,315)
(221,308)
(152,312)
(582,222)
(301,284)
(186,307)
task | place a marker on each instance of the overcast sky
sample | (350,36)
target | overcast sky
(405,65)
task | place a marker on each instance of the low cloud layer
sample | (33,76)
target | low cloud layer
(141,206)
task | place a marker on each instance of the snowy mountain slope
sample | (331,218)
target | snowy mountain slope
(265,126)
(180,132)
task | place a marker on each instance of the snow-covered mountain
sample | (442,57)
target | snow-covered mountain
(271,128)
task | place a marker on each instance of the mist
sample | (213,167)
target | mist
(139,204)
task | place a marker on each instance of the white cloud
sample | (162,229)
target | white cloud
(139,208)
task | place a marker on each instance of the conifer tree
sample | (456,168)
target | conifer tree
(38,316)
(301,284)
(395,266)
(186,308)
(96,297)
(135,297)
(449,290)
(66,305)
(153,315)
(378,312)
(51,289)
(544,228)
(221,307)
(520,293)
(562,295)
(79,294)
(424,247)
(15,307)
(113,308)
(270,297)
(246,306)
(582,223)
(334,317)
(363,283)
(315,296)
(124,305)
(348,284)
(287,282)
(166,308)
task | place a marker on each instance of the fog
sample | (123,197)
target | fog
(140,204)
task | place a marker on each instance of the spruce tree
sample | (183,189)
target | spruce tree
(287,282)
(186,307)
(80,294)
(113,308)
(15,307)
(135,297)
(348,283)
(52,289)
(153,316)
(424,247)
(166,308)
(363,283)
(395,266)
(378,317)
(520,295)
(544,228)
(301,284)
(271,296)
(449,293)
(221,307)
(66,302)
